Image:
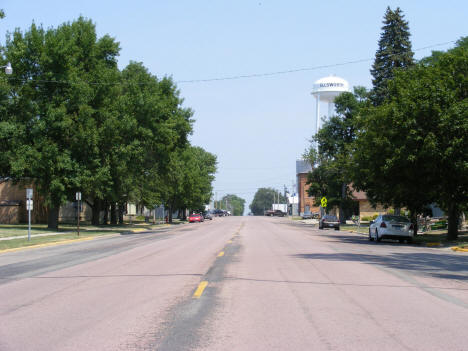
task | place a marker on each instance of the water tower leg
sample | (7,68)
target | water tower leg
(317,114)
(331,109)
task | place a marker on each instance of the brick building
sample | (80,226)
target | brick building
(306,202)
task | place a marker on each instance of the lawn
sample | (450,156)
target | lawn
(65,232)
(431,237)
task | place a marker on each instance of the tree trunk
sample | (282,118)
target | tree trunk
(169,213)
(96,210)
(52,217)
(113,214)
(453,217)
(414,221)
(121,212)
(106,213)
(343,196)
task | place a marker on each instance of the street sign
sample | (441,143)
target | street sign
(78,196)
(323,201)
(29,208)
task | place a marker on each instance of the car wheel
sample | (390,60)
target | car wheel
(377,236)
(337,228)
(409,240)
(370,236)
(401,241)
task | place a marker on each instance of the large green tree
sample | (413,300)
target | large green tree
(188,179)
(150,126)
(263,200)
(394,52)
(70,120)
(412,150)
(55,109)
(233,203)
(330,176)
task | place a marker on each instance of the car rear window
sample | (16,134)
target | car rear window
(395,218)
(330,218)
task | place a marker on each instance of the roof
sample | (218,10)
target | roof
(359,195)
(303,166)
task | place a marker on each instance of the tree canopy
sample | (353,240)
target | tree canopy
(413,150)
(394,52)
(233,203)
(330,176)
(263,200)
(72,121)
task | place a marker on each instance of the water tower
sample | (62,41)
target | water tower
(326,90)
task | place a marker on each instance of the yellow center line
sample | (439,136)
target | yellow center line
(221,254)
(199,291)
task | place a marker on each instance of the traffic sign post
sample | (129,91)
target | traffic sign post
(323,203)
(29,208)
(78,210)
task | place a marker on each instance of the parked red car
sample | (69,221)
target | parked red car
(195,217)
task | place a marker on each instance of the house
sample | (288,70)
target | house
(13,203)
(365,207)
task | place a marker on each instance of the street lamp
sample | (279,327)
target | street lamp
(8,68)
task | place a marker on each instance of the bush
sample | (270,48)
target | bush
(369,218)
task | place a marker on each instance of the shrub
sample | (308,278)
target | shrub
(369,218)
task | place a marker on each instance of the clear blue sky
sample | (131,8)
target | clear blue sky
(257,127)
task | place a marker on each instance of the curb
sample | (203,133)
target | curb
(436,244)
(459,249)
(47,245)
(148,228)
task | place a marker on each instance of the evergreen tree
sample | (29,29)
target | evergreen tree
(394,52)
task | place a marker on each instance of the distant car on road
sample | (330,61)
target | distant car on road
(195,217)
(391,227)
(329,221)
(309,215)
(278,213)
(207,215)
(219,213)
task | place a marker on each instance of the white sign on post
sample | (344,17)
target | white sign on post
(29,205)
(29,193)
(78,196)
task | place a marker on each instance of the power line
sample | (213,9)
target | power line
(243,76)
(267,74)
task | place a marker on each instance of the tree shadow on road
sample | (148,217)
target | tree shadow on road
(439,265)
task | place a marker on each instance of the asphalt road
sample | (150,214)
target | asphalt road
(245,283)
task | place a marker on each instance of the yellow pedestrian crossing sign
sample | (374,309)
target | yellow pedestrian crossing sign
(323,201)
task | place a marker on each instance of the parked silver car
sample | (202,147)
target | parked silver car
(329,221)
(391,227)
